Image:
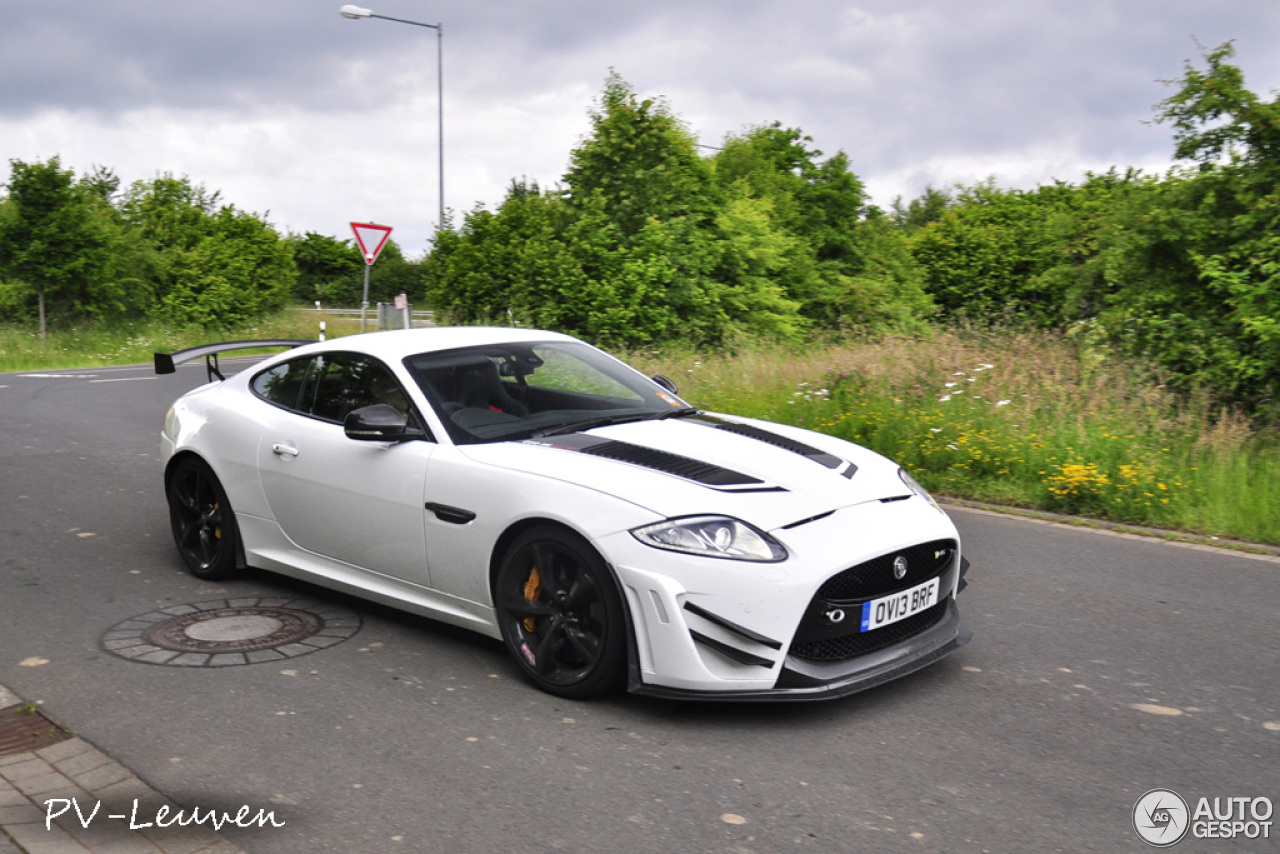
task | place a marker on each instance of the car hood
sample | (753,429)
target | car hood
(767,474)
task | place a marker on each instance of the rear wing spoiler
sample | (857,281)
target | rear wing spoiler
(166,363)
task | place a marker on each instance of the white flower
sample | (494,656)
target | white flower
(951,385)
(944,398)
(935,429)
(1003,402)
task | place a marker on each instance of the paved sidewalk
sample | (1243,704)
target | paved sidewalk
(48,798)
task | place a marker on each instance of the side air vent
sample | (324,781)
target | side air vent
(663,461)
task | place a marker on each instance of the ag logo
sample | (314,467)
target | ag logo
(1161,817)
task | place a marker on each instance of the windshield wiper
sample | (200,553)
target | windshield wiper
(610,420)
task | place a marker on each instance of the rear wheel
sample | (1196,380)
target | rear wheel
(204,527)
(560,614)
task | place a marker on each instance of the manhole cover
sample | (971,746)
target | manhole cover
(231,631)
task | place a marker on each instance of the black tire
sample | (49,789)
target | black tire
(561,615)
(204,528)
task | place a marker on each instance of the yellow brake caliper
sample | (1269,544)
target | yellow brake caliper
(532,588)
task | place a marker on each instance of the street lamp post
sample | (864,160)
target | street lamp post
(355,13)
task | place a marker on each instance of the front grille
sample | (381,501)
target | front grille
(874,578)
(820,639)
(861,643)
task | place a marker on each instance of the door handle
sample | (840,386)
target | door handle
(282,450)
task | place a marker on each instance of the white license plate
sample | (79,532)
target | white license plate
(899,606)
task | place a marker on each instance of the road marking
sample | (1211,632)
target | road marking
(58,376)
(121,380)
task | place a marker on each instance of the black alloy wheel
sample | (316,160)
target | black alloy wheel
(203,525)
(560,614)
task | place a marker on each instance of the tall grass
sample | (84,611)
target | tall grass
(1027,419)
(1021,418)
(89,345)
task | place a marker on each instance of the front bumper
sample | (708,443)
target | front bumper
(806,680)
(713,629)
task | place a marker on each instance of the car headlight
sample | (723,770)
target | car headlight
(918,489)
(712,536)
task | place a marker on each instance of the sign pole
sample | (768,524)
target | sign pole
(364,300)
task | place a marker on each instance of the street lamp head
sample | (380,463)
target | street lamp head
(355,13)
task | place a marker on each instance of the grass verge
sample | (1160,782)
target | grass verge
(90,345)
(1024,419)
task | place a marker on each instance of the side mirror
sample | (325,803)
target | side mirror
(667,383)
(380,423)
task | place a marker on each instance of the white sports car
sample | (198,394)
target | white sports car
(532,488)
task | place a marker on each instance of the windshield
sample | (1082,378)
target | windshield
(514,391)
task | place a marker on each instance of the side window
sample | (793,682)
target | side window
(343,382)
(282,384)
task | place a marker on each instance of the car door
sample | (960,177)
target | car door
(357,502)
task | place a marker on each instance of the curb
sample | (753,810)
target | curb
(1171,536)
(75,769)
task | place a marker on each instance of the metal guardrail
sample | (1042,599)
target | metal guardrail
(417,317)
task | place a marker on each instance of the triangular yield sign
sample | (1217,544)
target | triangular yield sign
(371,238)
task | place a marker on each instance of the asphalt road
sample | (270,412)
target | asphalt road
(1102,667)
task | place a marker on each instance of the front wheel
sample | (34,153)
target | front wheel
(560,614)
(204,528)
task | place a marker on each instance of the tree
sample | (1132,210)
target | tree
(640,161)
(62,240)
(1215,117)
(1234,197)
(217,266)
(329,269)
(511,262)
(834,270)
(921,211)
(640,226)
(650,241)
(986,256)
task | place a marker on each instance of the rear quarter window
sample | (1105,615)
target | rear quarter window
(282,385)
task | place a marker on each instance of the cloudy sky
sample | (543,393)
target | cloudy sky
(292,111)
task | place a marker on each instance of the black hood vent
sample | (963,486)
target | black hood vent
(663,461)
(831,461)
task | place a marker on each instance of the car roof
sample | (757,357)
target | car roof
(395,345)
